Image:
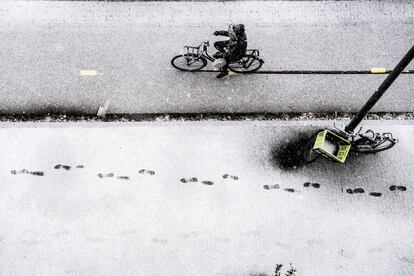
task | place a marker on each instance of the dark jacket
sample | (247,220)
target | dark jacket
(236,49)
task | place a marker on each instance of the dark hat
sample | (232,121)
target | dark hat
(238,29)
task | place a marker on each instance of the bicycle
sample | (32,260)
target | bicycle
(364,143)
(371,142)
(195,58)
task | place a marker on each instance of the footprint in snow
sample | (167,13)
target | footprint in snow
(229,176)
(314,185)
(187,180)
(398,188)
(19,172)
(65,167)
(270,187)
(355,191)
(100,175)
(144,171)
(38,173)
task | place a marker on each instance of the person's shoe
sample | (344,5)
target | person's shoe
(223,75)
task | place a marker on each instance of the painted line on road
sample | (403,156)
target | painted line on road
(378,70)
(87,72)
(321,72)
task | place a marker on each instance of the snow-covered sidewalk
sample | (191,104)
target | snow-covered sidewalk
(198,198)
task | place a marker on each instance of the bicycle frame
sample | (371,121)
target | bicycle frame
(194,53)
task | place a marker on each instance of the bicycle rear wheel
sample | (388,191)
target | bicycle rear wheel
(366,146)
(247,64)
(188,62)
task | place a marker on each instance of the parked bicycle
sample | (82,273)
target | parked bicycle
(364,143)
(195,58)
(371,142)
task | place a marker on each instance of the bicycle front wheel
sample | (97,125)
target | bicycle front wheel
(188,62)
(247,64)
(365,146)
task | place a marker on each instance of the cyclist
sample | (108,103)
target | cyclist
(230,50)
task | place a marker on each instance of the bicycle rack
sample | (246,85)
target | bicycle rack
(192,51)
(247,61)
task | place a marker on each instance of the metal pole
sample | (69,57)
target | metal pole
(381,90)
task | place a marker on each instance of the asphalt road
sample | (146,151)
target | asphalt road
(44,45)
(189,199)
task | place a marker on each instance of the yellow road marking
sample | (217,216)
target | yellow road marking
(87,72)
(378,70)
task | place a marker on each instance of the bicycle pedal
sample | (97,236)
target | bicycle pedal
(231,73)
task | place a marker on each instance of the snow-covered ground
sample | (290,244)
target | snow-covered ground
(189,199)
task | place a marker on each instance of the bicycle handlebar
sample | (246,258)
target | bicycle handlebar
(208,39)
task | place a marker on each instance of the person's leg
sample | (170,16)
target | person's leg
(224,70)
(218,64)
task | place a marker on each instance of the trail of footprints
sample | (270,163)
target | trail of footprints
(392,188)
(291,190)
(109,175)
(361,191)
(124,177)
(208,182)
(40,173)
